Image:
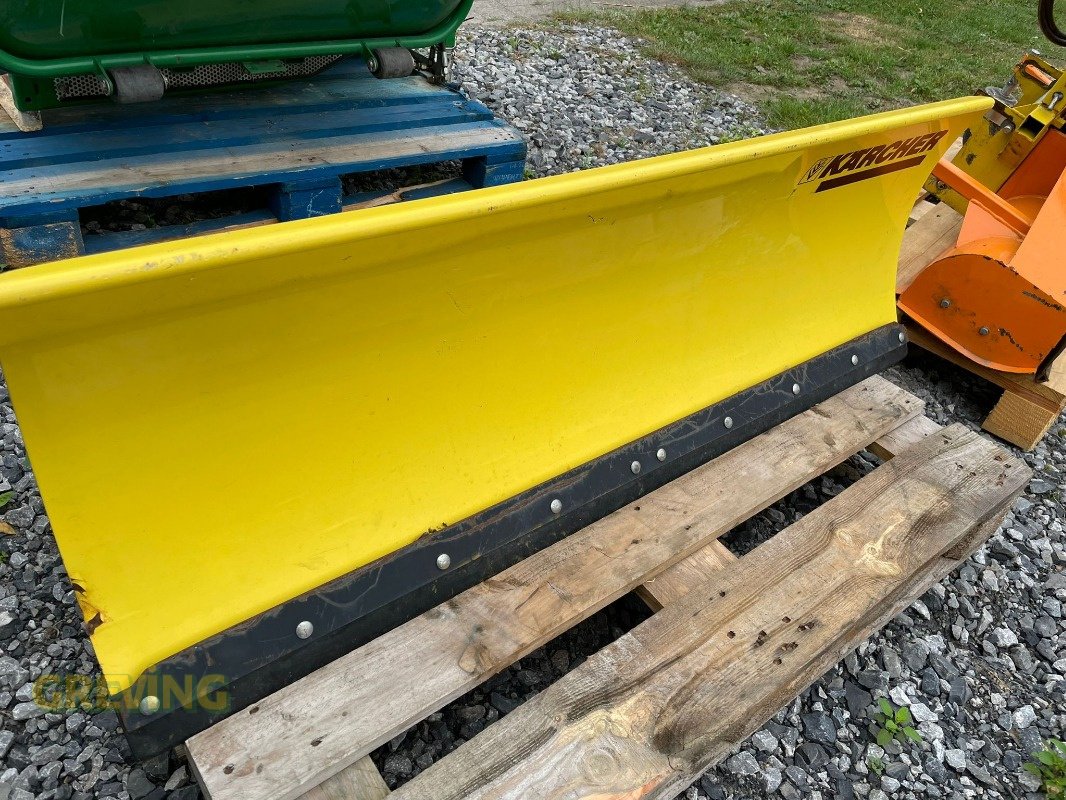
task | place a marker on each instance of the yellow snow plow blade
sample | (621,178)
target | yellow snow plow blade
(222,426)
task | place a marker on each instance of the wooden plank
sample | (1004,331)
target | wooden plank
(673,583)
(1056,374)
(301,735)
(361,781)
(924,241)
(1019,421)
(24,247)
(26,192)
(25,121)
(920,209)
(909,433)
(649,713)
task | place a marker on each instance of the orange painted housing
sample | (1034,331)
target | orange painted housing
(997,296)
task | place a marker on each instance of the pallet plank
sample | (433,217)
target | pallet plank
(926,240)
(649,713)
(673,583)
(1019,420)
(899,439)
(361,781)
(310,730)
(49,188)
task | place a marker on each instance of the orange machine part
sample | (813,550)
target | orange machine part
(997,296)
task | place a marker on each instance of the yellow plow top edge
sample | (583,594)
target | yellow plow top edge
(180,258)
(329,390)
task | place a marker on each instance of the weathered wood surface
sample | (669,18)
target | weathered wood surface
(899,439)
(24,121)
(230,168)
(361,781)
(650,712)
(316,727)
(926,240)
(1019,420)
(675,582)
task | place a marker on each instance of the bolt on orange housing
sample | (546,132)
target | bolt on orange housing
(997,296)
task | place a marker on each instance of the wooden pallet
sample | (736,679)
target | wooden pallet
(296,140)
(733,640)
(1027,407)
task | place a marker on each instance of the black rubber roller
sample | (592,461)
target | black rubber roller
(140,84)
(391,62)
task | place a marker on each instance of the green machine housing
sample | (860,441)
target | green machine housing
(57,52)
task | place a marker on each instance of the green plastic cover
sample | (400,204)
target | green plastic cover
(38,30)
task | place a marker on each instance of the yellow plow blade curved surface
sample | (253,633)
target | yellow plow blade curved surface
(223,423)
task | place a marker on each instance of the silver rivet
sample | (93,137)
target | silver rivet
(902,337)
(444,561)
(660,454)
(149,705)
(983,331)
(557,505)
(855,360)
(304,630)
(795,388)
(635,466)
(728,422)
(945,303)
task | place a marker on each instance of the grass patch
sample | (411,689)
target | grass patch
(805,62)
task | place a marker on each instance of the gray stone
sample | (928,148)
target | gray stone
(771,780)
(24,711)
(138,784)
(820,728)
(1024,717)
(1056,582)
(1041,486)
(922,713)
(935,770)
(179,778)
(915,654)
(52,752)
(742,763)
(764,741)
(1003,637)
(873,679)
(929,683)
(811,757)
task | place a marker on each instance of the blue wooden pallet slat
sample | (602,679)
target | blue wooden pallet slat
(101,145)
(296,139)
(46,189)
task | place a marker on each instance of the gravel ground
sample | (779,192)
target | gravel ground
(979,660)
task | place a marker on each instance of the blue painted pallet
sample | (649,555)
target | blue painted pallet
(296,139)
